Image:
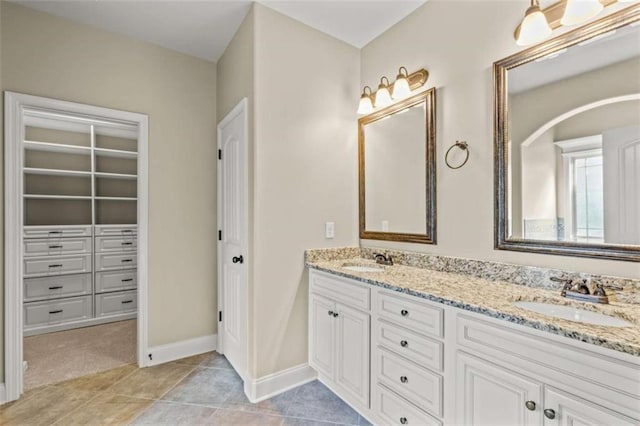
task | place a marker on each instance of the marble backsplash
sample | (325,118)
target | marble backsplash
(530,276)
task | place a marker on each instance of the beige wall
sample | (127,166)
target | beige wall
(306,94)
(459,60)
(49,56)
(1,220)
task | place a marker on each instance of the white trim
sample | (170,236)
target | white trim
(15,106)
(3,394)
(182,349)
(580,144)
(269,386)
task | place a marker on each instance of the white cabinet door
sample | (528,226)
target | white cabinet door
(353,333)
(322,335)
(490,395)
(563,409)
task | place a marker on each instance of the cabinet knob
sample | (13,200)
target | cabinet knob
(549,413)
(404,312)
(530,405)
(404,379)
(404,420)
(330,313)
(404,343)
(335,315)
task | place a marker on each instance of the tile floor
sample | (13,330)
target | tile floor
(199,390)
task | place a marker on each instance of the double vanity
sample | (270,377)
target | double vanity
(412,344)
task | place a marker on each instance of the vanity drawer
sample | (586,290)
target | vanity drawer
(108,261)
(116,281)
(56,231)
(116,244)
(116,303)
(393,410)
(115,231)
(418,385)
(56,265)
(350,294)
(56,287)
(57,246)
(410,312)
(417,348)
(56,311)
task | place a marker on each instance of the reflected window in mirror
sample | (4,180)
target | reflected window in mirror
(397,171)
(568,143)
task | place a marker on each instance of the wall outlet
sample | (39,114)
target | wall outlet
(385,226)
(329,229)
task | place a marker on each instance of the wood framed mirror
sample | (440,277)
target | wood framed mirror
(567,143)
(397,171)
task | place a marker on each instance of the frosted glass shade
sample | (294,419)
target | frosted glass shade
(401,88)
(534,27)
(365,106)
(579,11)
(383,98)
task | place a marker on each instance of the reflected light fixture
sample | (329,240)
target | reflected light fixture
(401,86)
(579,11)
(383,97)
(366,106)
(534,26)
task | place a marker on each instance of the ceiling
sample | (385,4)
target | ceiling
(204,28)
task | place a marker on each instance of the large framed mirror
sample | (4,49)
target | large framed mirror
(567,143)
(397,178)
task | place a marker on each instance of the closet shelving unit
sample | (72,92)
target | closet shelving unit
(80,221)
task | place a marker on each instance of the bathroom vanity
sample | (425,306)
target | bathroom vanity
(413,346)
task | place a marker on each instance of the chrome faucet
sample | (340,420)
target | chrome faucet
(579,290)
(381,259)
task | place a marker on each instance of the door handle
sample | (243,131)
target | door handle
(237,259)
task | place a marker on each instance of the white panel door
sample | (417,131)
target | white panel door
(563,409)
(232,253)
(322,341)
(352,367)
(490,395)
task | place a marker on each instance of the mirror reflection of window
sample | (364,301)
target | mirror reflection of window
(588,208)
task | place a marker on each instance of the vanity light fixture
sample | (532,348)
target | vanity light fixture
(401,88)
(538,24)
(383,97)
(366,106)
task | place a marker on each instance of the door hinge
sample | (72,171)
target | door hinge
(219,154)
(219,235)
(220,316)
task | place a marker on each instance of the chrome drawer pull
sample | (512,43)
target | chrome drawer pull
(127,244)
(404,312)
(126,260)
(330,313)
(404,379)
(404,343)
(549,413)
(335,315)
(56,312)
(56,287)
(126,280)
(57,265)
(127,230)
(55,232)
(404,420)
(127,301)
(55,247)
(531,405)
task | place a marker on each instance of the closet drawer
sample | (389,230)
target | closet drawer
(115,231)
(56,287)
(350,294)
(108,262)
(56,231)
(58,246)
(56,265)
(116,281)
(56,311)
(417,348)
(410,312)
(393,410)
(116,303)
(418,385)
(113,244)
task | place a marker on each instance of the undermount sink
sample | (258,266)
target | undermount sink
(362,268)
(573,314)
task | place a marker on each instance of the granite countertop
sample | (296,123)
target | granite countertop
(495,299)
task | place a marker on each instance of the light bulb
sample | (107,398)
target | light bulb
(365,106)
(401,86)
(534,26)
(383,97)
(579,11)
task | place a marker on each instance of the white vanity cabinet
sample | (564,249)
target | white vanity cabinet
(339,336)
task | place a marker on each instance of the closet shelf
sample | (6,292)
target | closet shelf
(116,198)
(57,147)
(55,172)
(122,176)
(115,153)
(56,197)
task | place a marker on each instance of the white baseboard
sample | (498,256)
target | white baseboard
(178,350)
(3,394)
(268,386)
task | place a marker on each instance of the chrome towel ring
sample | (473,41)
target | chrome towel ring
(463,145)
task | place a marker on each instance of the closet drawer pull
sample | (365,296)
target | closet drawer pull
(404,343)
(126,260)
(56,265)
(403,420)
(55,247)
(127,244)
(55,287)
(404,379)
(404,312)
(127,301)
(126,280)
(56,311)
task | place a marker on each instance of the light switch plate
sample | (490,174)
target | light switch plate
(329,229)
(385,226)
